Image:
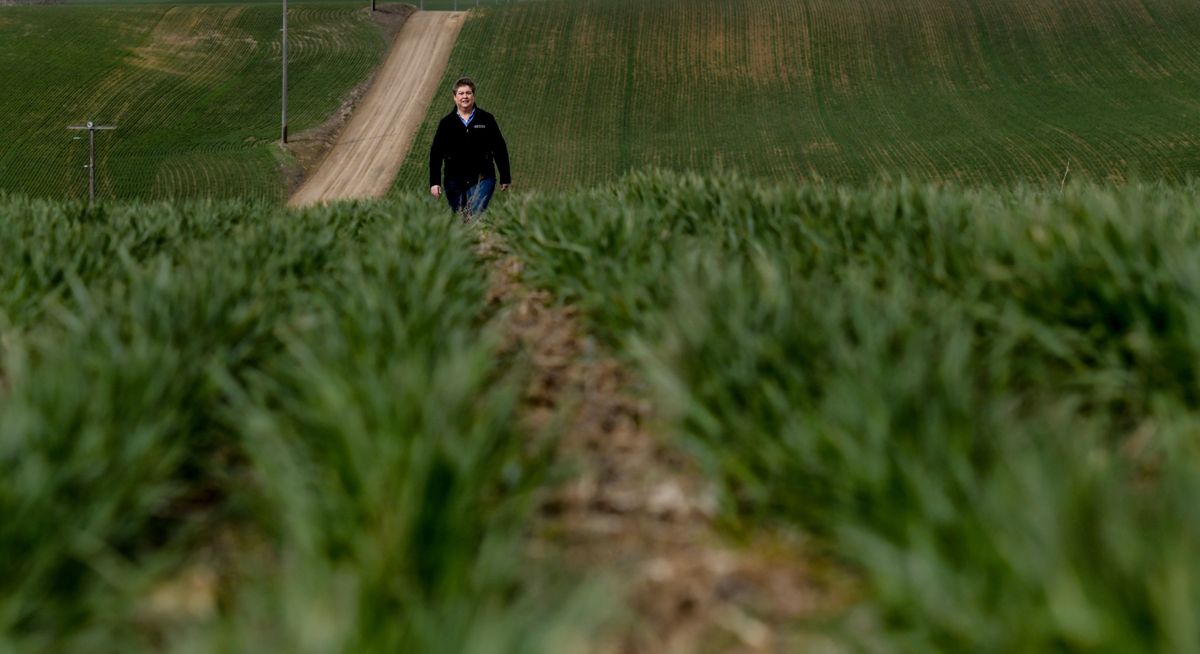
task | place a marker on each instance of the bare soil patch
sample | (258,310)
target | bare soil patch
(639,509)
(183,39)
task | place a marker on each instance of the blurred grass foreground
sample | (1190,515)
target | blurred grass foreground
(225,426)
(228,427)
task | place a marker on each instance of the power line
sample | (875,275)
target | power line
(91,128)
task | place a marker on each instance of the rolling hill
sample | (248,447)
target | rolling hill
(980,92)
(194,90)
(956,416)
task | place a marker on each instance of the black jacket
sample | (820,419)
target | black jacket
(468,151)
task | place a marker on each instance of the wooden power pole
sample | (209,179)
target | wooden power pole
(91,128)
(285,62)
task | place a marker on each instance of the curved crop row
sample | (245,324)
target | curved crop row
(988,92)
(186,85)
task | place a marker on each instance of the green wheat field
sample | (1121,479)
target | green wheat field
(194,90)
(974,92)
(916,283)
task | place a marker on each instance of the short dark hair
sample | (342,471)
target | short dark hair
(464,81)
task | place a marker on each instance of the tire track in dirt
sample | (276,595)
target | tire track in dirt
(364,161)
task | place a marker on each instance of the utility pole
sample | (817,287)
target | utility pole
(285,57)
(91,128)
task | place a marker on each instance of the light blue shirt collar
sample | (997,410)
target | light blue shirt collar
(467,121)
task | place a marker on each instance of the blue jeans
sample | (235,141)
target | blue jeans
(471,198)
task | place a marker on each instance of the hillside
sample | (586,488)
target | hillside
(654,413)
(989,91)
(193,89)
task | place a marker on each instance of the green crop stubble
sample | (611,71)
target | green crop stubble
(321,385)
(985,399)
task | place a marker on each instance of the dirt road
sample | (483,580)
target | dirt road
(367,155)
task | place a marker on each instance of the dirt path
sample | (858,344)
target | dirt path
(638,508)
(366,157)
